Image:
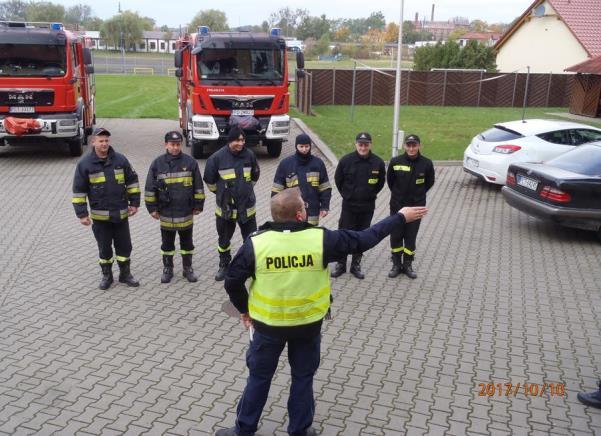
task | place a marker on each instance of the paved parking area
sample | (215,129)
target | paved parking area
(500,298)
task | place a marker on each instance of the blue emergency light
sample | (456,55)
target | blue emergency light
(56,26)
(275,31)
(204,30)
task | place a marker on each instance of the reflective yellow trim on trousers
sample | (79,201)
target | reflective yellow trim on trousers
(168,253)
(223,250)
(76,200)
(184,252)
(199,196)
(397,250)
(105,261)
(409,252)
(122,259)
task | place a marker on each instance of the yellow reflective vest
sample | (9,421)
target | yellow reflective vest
(291,287)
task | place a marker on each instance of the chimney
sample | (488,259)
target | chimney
(432,18)
(416,18)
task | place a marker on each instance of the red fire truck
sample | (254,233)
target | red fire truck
(228,79)
(46,85)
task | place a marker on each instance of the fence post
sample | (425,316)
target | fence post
(515,84)
(549,88)
(334,86)
(310,95)
(353,92)
(408,85)
(444,88)
(480,87)
(526,93)
(371,87)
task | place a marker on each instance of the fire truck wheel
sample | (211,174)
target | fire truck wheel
(198,149)
(76,146)
(274,147)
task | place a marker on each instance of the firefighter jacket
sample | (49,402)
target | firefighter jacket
(110,185)
(359,180)
(409,180)
(310,175)
(232,176)
(173,189)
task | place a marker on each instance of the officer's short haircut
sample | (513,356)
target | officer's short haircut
(285,204)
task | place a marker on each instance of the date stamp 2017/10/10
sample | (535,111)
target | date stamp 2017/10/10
(528,389)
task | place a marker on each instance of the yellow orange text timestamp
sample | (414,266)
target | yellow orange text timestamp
(528,389)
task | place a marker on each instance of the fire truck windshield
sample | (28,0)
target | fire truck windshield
(32,60)
(261,66)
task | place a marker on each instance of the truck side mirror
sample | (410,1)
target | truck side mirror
(89,69)
(178,59)
(300,74)
(87,56)
(300,60)
(178,73)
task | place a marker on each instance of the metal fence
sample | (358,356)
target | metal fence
(437,88)
(117,64)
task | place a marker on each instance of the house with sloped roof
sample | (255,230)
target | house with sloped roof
(550,36)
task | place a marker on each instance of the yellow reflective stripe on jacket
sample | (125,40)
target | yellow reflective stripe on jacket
(100,215)
(372,181)
(97,177)
(419,181)
(401,168)
(187,181)
(150,197)
(134,188)
(79,197)
(123,214)
(176,223)
(290,285)
(199,195)
(219,212)
(227,174)
(250,211)
(324,186)
(276,187)
(119,176)
(291,181)
(247,174)
(212,188)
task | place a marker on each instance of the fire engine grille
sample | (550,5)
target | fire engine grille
(26,98)
(223,103)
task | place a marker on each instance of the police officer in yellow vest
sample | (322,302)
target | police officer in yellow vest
(289,296)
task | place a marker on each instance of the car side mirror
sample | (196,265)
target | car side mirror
(178,72)
(89,69)
(178,61)
(300,60)
(87,56)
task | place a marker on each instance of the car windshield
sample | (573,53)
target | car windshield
(32,60)
(498,134)
(584,160)
(237,65)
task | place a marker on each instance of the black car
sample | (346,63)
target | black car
(565,189)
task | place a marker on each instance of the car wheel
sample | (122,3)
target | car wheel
(77,144)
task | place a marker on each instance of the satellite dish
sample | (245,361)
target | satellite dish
(539,11)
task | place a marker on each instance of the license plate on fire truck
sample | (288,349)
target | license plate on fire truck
(243,112)
(21,109)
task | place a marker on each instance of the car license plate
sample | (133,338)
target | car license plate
(21,109)
(243,112)
(527,182)
(472,162)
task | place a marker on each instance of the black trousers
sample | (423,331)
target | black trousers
(186,242)
(403,240)
(107,234)
(354,219)
(226,228)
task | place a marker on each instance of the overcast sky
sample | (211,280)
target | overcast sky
(239,12)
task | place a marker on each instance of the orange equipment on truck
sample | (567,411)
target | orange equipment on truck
(46,85)
(228,79)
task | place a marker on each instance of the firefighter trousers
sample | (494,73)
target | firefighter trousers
(108,233)
(226,228)
(402,241)
(186,242)
(351,219)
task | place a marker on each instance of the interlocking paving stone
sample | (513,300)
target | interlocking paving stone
(500,298)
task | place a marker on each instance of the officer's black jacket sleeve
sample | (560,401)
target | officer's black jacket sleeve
(279,180)
(381,176)
(132,185)
(340,243)
(339,175)
(211,174)
(151,195)
(325,189)
(241,268)
(199,193)
(80,191)
(429,176)
(390,175)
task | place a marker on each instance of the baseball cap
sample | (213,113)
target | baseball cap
(363,137)
(302,139)
(101,131)
(412,138)
(173,136)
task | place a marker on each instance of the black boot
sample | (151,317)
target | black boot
(167,269)
(356,266)
(397,265)
(408,270)
(188,271)
(125,275)
(224,262)
(339,269)
(592,399)
(107,276)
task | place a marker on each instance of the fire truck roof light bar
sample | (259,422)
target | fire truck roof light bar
(204,30)
(33,25)
(275,31)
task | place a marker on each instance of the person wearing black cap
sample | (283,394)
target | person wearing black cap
(107,180)
(174,194)
(410,176)
(359,177)
(231,174)
(309,173)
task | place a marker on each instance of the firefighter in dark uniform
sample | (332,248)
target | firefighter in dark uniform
(174,194)
(359,177)
(231,174)
(309,173)
(109,183)
(289,296)
(410,176)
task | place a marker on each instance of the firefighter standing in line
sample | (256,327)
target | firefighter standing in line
(410,176)
(309,173)
(359,177)
(287,262)
(174,194)
(231,174)
(110,184)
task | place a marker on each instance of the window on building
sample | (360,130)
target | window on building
(173,46)
(142,46)
(153,45)
(162,45)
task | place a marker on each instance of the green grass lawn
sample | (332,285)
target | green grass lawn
(445,131)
